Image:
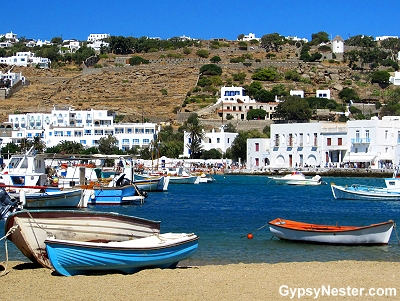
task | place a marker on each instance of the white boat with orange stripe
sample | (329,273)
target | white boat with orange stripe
(375,234)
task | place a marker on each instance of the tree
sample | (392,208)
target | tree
(137,60)
(108,145)
(239,145)
(240,37)
(272,41)
(211,154)
(69,147)
(256,114)
(293,108)
(361,41)
(319,37)
(196,135)
(215,59)
(266,74)
(264,96)
(211,69)
(203,53)
(348,94)
(381,77)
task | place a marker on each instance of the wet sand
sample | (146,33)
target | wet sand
(27,281)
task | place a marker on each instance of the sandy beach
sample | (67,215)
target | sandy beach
(349,280)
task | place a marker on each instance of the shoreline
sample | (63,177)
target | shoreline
(262,281)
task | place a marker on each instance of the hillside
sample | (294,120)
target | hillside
(157,90)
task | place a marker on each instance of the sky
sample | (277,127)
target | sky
(201,19)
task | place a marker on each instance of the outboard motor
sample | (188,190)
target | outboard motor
(8,204)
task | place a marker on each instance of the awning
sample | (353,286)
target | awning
(358,157)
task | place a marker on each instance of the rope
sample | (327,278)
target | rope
(9,232)
(257,229)
(48,233)
(397,236)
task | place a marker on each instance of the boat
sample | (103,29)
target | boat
(206,178)
(375,234)
(9,204)
(175,177)
(365,193)
(117,192)
(159,183)
(32,227)
(297,178)
(72,257)
(50,197)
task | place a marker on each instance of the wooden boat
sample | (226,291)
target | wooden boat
(71,257)
(297,178)
(50,198)
(365,193)
(33,227)
(152,183)
(375,234)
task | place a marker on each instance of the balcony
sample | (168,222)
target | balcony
(360,140)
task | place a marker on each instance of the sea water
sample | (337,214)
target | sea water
(222,213)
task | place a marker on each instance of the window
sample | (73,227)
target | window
(146,141)
(257,147)
(329,141)
(218,140)
(339,141)
(386,134)
(257,162)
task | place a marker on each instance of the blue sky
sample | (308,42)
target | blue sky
(204,19)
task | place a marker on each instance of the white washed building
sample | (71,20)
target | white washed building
(258,153)
(97,36)
(25,59)
(236,103)
(96,45)
(338,45)
(85,127)
(219,140)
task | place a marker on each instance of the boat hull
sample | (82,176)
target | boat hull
(74,258)
(122,195)
(356,192)
(376,234)
(152,184)
(53,199)
(184,180)
(35,226)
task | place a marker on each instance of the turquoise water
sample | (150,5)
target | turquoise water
(223,212)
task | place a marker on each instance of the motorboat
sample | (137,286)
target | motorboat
(365,193)
(297,178)
(375,234)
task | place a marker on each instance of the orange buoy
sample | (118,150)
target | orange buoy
(249,236)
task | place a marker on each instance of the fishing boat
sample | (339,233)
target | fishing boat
(297,178)
(375,234)
(365,193)
(32,227)
(50,197)
(118,192)
(72,257)
(153,184)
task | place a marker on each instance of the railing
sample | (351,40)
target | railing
(360,140)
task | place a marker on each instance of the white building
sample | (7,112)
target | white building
(25,59)
(249,37)
(96,45)
(295,38)
(258,153)
(219,140)
(338,45)
(323,94)
(358,143)
(381,38)
(12,77)
(97,36)
(395,79)
(85,127)
(299,93)
(72,45)
(235,104)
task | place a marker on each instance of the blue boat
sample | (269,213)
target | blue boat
(71,258)
(117,195)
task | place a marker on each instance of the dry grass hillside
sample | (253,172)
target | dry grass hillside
(157,90)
